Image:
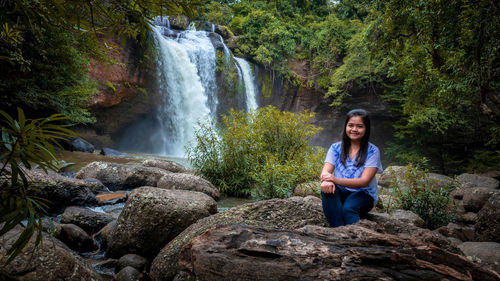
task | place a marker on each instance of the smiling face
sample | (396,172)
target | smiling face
(355,128)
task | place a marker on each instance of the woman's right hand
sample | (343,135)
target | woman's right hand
(328,187)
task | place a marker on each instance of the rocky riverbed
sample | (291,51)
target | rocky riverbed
(167,227)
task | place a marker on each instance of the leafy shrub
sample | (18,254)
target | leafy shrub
(264,153)
(25,143)
(415,191)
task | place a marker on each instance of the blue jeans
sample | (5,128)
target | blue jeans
(344,207)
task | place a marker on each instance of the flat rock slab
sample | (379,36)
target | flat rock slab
(241,252)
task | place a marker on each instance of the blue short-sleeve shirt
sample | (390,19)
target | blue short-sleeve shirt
(350,171)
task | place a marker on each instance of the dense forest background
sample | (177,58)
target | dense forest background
(436,63)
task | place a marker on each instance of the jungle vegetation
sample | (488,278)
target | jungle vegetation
(435,63)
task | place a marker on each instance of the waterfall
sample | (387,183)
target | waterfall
(249,81)
(186,75)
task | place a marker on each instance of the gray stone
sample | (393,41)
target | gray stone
(51,260)
(132,260)
(62,191)
(76,238)
(188,182)
(488,220)
(474,180)
(79,144)
(170,166)
(120,176)
(475,198)
(89,220)
(154,216)
(464,233)
(467,218)
(484,253)
(404,216)
(128,274)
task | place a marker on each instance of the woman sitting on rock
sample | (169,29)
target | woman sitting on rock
(351,190)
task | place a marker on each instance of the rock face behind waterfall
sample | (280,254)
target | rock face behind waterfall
(153,216)
(355,252)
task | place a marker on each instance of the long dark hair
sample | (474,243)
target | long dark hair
(346,142)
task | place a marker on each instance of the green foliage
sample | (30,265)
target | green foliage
(264,153)
(416,192)
(25,144)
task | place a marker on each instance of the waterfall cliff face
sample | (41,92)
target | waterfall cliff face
(186,74)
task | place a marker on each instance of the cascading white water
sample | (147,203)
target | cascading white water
(186,75)
(249,80)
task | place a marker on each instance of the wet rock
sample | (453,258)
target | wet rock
(406,217)
(51,260)
(170,166)
(132,260)
(223,31)
(88,220)
(475,198)
(240,252)
(153,216)
(484,253)
(112,152)
(119,176)
(76,238)
(473,181)
(62,191)
(188,182)
(309,188)
(78,144)
(464,233)
(105,234)
(488,220)
(128,274)
(291,213)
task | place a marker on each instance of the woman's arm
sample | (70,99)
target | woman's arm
(363,181)
(327,186)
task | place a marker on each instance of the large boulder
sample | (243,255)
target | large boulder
(170,166)
(463,233)
(354,252)
(488,221)
(474,180)
(88,220)
(120,176)
(484,253)
(153,216)
(399,172)
(475,198)
(51,260)
(62,191)
(291,213)
(188,182)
